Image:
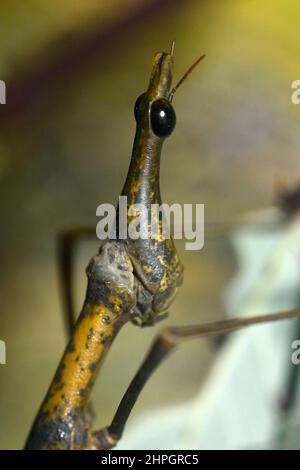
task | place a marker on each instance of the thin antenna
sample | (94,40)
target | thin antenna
(187,73)
(172,48)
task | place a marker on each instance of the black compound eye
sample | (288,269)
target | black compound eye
(163,117)
(137,106)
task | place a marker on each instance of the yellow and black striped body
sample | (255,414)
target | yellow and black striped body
(63,421)
(128,280)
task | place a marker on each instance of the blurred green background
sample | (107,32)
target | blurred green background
(73,70)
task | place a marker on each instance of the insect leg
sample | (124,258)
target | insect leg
(162,346)
(66,247)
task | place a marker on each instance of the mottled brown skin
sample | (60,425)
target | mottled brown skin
(129,280)
(156,263)
(63,421)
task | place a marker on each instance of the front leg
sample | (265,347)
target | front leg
(162,346)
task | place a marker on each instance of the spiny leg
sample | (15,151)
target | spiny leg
(162,346)
(66,248)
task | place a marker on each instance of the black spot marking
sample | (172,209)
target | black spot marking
(93,366)
(89,338)
(106,340)
(106,320)
(71,347)
(59,387)
(59,372)
(122,267)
